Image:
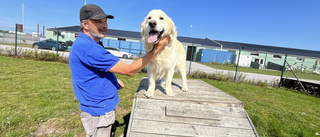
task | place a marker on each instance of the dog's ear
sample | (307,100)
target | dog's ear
(173,31)
(142,28)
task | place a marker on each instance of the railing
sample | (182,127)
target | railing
(135,48)
(21,38)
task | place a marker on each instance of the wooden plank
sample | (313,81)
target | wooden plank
(178,129)
(205,100)
(202,94)
(131,116)
(152,104)
(159,115)
(192,84)
(175,111)
(138,134)
(202,111)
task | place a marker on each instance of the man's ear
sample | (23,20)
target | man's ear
(85,24)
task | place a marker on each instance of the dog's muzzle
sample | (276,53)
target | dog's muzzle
(154,34)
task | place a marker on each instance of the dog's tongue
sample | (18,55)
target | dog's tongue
(153,37)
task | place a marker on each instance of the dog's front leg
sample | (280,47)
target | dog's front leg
(152,85)
(184,78)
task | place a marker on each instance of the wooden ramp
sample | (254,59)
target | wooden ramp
(202,111)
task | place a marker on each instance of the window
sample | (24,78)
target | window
(233,51)
(277,56)
(261,61)
(300,59)
(122,39)
(55,33)
(255,54)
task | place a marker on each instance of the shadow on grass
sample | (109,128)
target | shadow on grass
(116,124)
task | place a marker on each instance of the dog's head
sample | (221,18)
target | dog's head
(156,25)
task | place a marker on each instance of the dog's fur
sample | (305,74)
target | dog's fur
(171,59)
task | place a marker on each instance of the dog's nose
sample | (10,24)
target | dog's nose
(152,23)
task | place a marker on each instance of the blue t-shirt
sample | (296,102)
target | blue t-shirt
(94,86)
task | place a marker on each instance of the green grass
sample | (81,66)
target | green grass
(232,67)
(276,112)
(37,96)
(33,92)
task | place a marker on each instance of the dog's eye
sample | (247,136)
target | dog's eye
(149,17)
(161,18)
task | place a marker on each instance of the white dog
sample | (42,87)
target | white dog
(173,58)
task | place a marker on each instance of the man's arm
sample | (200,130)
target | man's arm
(135,67)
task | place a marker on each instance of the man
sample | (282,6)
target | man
(92,69)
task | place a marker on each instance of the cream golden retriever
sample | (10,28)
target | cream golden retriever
(172,59)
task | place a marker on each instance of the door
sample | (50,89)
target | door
(191,52)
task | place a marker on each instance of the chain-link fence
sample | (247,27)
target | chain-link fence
(28,35)
(21,38)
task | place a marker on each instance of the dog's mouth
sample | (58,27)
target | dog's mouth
(155,36)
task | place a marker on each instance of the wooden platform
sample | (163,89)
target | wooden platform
(202,111)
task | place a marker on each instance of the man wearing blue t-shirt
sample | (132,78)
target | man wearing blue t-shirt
(92,69)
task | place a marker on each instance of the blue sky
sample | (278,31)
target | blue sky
(282,23)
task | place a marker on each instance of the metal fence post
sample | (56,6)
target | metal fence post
(57,46)
(15,45)
(235,76)
(191,58)
(283,68)
(130,44)
(119,45)
(141,45)
(3,36)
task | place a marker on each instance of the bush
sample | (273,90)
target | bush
(229,78)
(33,54)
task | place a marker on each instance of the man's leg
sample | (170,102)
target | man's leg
(103,131)
(97,126)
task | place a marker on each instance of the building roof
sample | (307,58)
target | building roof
(74,29)
(270,49)
(207,42)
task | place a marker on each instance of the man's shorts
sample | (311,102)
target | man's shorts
(96,126)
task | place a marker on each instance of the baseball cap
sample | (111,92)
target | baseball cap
(92,11)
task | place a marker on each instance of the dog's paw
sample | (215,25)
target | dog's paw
(170,93)
(185,89)
(149,94)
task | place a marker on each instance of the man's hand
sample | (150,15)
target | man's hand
(136,66)
(164,41)
(121,85)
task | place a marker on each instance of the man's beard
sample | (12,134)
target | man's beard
(97,35)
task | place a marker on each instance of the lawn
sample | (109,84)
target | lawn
(37,96)
(37,99)
(276,112)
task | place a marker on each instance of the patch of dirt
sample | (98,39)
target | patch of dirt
(52,126)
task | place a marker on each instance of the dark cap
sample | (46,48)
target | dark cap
(92,11)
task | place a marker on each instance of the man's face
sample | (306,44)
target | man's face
(98,28)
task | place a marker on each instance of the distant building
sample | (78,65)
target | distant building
(261,55)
